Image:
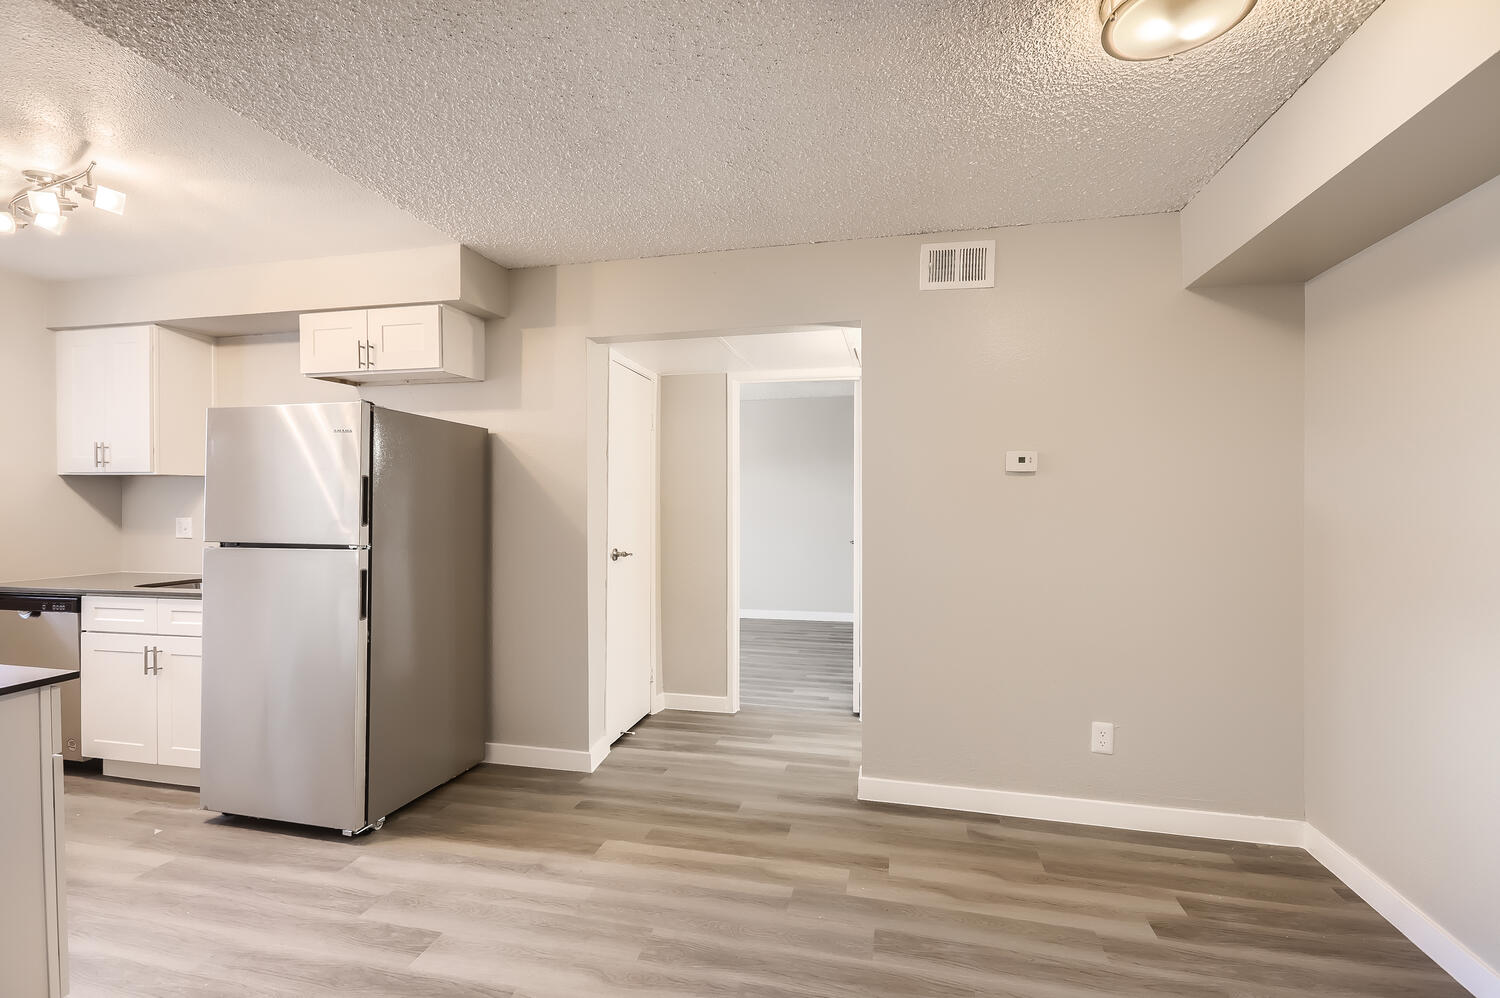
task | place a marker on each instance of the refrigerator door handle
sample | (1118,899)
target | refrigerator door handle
(364,593)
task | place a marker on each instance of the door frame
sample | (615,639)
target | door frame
(657,697)
(736,381)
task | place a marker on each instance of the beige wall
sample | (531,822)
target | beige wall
(1167,515)
(1150,575)
(694,534)
(1403,563)
(49,525)
(148,524)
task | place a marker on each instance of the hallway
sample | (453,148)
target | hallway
(797,664)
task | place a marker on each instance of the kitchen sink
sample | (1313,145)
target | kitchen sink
(177,584)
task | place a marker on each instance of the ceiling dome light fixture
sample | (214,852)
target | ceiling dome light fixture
(47,198)
(1142,30)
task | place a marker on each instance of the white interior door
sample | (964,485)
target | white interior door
(629,609)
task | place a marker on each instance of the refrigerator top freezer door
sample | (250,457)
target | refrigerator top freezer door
(288,474)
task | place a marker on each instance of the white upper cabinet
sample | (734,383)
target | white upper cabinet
(411,344)
(334,342)
(131,400)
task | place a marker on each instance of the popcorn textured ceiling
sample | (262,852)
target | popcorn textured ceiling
(551,133)
(205,187)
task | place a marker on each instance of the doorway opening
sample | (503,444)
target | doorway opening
(796,520)
(669,548)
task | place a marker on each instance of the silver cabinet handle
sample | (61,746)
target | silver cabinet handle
(155,661)
(616,554)
(370,351)
(145,661)
(104,449)
(97,461)
(361,347)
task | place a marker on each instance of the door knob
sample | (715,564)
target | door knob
(616,554)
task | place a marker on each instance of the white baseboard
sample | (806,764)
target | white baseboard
(598,752)
(1081,811)
(177,776)
(1412,922)
(692,701)
(1431,938)
(830,615)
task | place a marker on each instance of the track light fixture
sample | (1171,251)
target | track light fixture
(48,197)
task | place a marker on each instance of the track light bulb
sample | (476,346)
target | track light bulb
(43,203)
(7,223)
(51,221)
(110,200)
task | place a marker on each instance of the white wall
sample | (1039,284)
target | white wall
(49,525)
(694,532)
(797,506)
(1403,563)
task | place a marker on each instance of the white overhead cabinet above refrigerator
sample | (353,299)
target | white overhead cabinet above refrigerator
(412,344)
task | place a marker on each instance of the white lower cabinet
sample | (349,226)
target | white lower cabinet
(142,702)
(118,715)
(179,701)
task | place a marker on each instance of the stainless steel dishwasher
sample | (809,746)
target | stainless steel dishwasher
(42,631)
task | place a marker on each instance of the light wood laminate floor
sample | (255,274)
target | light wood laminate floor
(710,855)
(797,665)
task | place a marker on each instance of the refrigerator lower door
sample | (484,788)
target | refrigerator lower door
(288,474)
(285,684)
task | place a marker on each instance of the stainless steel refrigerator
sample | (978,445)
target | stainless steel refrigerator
(344,610)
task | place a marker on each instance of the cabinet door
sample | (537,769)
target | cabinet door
(333,342)
(179,699)
(82,392)
(129,441)
(406,339)
(118,712)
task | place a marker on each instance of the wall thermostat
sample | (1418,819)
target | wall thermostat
(1020,461)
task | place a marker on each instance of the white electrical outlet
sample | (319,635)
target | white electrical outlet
(185,527)
(1102,738)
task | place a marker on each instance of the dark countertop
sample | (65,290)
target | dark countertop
(19,678)
(109,584)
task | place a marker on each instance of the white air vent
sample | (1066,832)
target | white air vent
(957,265)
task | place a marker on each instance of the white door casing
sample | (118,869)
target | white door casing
(736,380)
(631,547)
